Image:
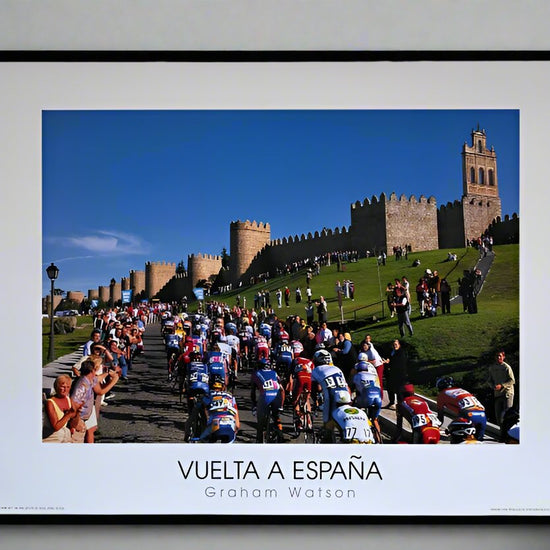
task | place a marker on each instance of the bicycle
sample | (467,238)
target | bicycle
(177,379)
(196,423)
(270,431)
(305,416)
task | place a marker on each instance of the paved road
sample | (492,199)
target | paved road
(144,409)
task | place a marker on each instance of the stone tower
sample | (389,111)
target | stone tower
(247,239)
(157,274)
(481,200)
(479,167)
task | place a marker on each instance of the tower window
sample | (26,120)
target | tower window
(472,174)
(479,147)
(481,176)
(491,177)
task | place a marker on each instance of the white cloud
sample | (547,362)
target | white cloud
(107,243)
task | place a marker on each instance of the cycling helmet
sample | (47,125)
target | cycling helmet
(297,347)
(264,363)
(322,357)
(218,383)
(362,357)
(319,346)
(342,397)
(362,366)
(283,335)
(444,382)
(188,338)
(408,390)
(460,428)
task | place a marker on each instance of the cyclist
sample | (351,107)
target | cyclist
(172,344)
(460,403)
(222,414)
(196,381)
(301,382)
(328,379)
(368,392)
(271,396)
(234,342)
(217,366)
(282,356)
(351,422)
(461,430)
(423,421)
(262,346)
(246,339)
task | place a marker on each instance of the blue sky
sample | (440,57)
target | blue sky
(124,187)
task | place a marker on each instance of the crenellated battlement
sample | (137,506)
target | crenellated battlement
(160,264)
(257,226)
(309,237)
(201,256)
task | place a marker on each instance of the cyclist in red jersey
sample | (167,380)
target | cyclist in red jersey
(423,421)
(301,378)
(460,403)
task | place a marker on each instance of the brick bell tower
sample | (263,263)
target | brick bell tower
(479,167)
(481,200)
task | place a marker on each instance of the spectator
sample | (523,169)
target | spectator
(401,306)
(445,296)
(83,394)
(309,313)
(61,421)
(95,338)
(389,298)
(396,374)
(322,310)
(501,379)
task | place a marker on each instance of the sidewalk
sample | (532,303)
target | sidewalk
(62,365)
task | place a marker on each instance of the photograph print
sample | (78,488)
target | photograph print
(281,276)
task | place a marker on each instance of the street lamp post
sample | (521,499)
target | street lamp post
(52,272)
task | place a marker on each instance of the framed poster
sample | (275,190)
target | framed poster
(244,481)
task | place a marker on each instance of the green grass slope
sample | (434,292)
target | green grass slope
(458,344)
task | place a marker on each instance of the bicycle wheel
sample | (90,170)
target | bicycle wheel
(309,430)
(231,381)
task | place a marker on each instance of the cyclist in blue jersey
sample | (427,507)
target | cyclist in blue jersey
(270,399)
(197,382)
(282,357)
(222,414)
(217,366)
(368,392)
(173,345)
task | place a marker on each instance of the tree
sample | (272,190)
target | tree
(225,258)
(180,268)
(58,292)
